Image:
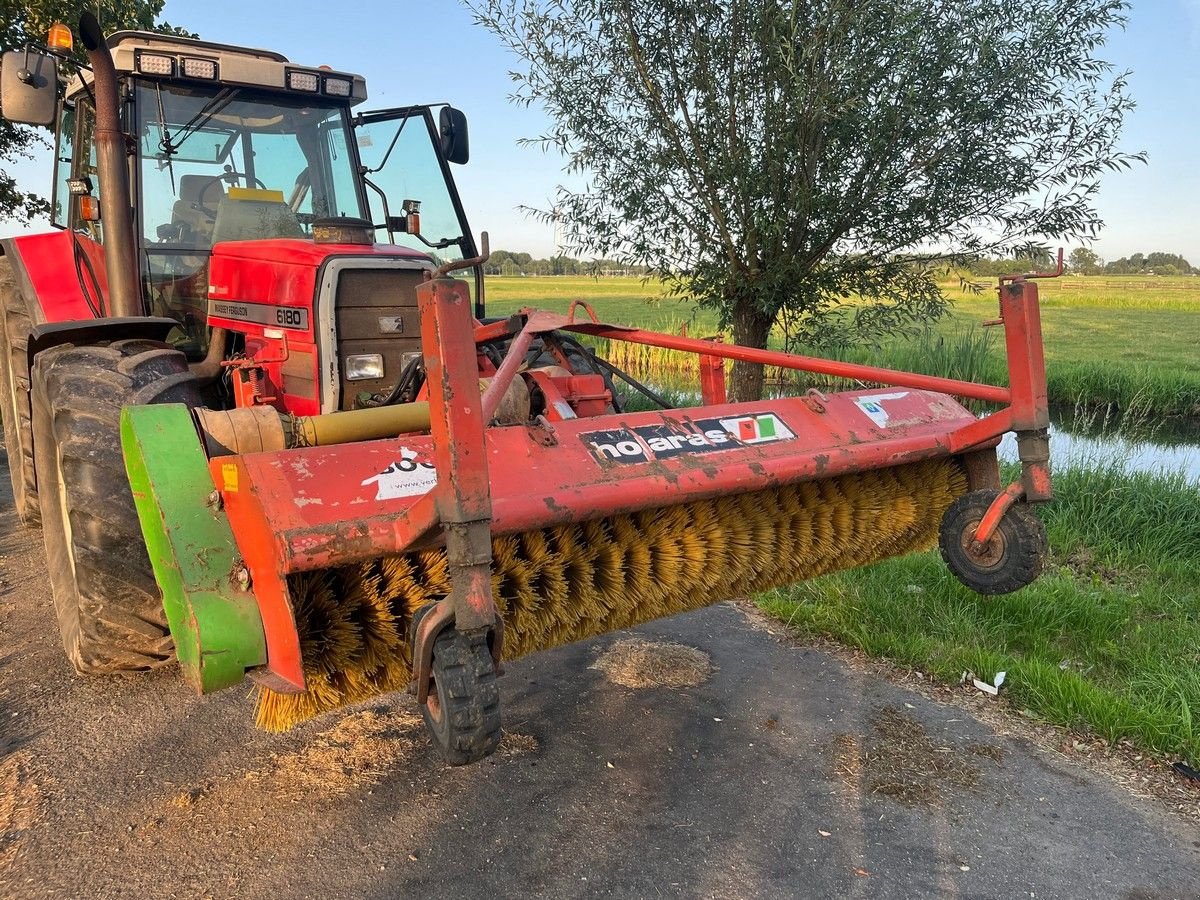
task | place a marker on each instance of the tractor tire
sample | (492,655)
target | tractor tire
(109,608)
(15,324)
(463,709)
(1012,559)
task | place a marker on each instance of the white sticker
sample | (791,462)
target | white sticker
(873,406)
(761,428)
(405,478)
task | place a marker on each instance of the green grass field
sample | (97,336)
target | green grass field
(1126,342)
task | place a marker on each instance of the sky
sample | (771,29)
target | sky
(419,51)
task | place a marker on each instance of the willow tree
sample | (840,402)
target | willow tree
(817,160)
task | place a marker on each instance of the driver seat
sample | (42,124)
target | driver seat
(189,210)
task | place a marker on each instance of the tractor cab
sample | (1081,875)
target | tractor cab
(229,144)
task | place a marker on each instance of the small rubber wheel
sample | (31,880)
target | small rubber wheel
(463,709)
(1008,562)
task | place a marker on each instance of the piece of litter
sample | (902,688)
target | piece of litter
(999,679)
(1186,771)
(985,687)
(610,765)
(981,685)
(715,719)
(822,833)
(861,873)
(909,706)
(964,868)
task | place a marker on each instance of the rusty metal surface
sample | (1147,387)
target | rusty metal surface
(260,549)
(330,506)
(458,418)
(983,470)
(991,519)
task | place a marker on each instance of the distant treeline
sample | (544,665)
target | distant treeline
(506,262)
(1083,261)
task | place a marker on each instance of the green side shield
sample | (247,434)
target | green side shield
(215,623)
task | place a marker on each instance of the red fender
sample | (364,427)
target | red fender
(45,268)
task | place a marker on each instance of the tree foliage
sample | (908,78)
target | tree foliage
(507,262)
(1085,261)
(1157,263)
(817,159)
(25,24)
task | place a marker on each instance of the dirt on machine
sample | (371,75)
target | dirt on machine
(252,397)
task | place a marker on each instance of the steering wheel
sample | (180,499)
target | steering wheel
(229,176)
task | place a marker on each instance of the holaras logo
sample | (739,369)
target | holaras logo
(644,443)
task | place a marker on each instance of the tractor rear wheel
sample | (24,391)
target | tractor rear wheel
(109,609)
(15,323)
(463,709)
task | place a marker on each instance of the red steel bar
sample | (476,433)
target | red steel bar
(462,494)
(508,369)
(1020,310)
(854,371)
(991,519)
(712,379)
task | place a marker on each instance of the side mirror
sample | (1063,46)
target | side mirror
(28,87)
(453,126)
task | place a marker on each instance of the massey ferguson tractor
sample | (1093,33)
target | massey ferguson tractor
(267,434)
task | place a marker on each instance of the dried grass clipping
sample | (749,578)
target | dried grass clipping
(638,663)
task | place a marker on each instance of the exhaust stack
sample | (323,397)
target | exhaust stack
(120,251)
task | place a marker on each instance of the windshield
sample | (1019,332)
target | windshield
(221,164)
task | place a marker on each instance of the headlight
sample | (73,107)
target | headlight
(364,366)
(337,87)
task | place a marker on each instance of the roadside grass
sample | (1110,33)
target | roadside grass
(1110,342)
(1107,640)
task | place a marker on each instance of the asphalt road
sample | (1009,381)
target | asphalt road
(788,773)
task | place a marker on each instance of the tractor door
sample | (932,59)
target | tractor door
(405,159)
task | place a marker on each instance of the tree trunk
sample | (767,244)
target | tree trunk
(751,328)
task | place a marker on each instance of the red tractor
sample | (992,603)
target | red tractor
(211,205)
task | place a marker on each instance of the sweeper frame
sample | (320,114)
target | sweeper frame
(226,533)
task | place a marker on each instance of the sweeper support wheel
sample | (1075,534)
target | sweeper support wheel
(1008,561)
(462,711)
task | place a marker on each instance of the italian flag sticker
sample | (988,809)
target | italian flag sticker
(757,429)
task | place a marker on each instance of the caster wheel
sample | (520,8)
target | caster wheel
(463,709)
(1008,562)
